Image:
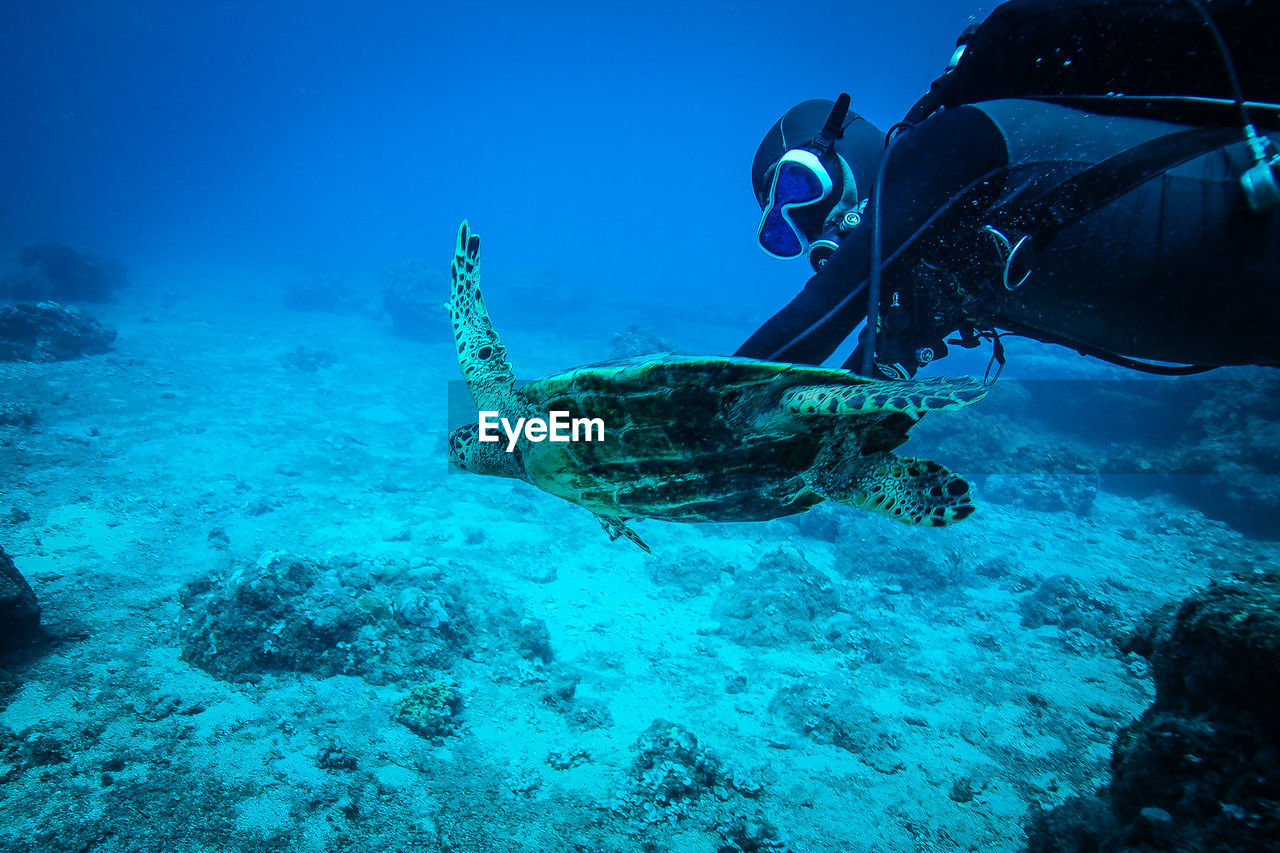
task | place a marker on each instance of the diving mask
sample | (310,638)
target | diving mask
(807,185)
(801,183)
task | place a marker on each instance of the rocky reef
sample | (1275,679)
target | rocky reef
(1050,445)
(19,611)
(782,599)
(411,296)
(20,629)
(1226,458)
(431,709)
(637,340)
(1013,456)
(47,331)
(1200,770)
(1045,477)
(674,777)
(307,359)
(292,614)
(51,271)
(324,293)
(16,413)
(1063,601)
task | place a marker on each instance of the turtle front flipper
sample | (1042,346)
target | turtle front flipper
(906,489)
(481,355)
(616,527)
(912,397)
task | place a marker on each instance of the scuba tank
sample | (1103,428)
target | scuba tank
(1101,56)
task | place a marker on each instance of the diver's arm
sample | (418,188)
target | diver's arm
(822,315)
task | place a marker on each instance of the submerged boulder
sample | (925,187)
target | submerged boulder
(1225,459)
(1045,477)
(637,340)
(276,616)
(54,271)
(324,293)
(673,774)
(411,297)
(292,614)
(782,599)
(19,612)
(1200,770)
(47,331)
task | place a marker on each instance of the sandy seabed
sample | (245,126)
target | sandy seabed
(835,682)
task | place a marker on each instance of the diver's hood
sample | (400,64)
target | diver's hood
(860,144)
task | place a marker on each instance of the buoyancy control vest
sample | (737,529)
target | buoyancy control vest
(1179,269)
(1152,59)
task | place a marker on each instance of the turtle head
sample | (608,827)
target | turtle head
(491,458)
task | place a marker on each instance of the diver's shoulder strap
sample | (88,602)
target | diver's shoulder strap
(1048,212)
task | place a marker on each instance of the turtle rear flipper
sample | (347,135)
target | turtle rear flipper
(912,397)
(906,489)
(481,355)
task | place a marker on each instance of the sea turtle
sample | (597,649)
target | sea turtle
(704,438)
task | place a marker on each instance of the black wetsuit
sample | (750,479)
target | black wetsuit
(1177,269)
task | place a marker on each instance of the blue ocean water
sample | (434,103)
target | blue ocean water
(274,619)
(607,146)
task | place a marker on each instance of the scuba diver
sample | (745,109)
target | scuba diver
(1097,175)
